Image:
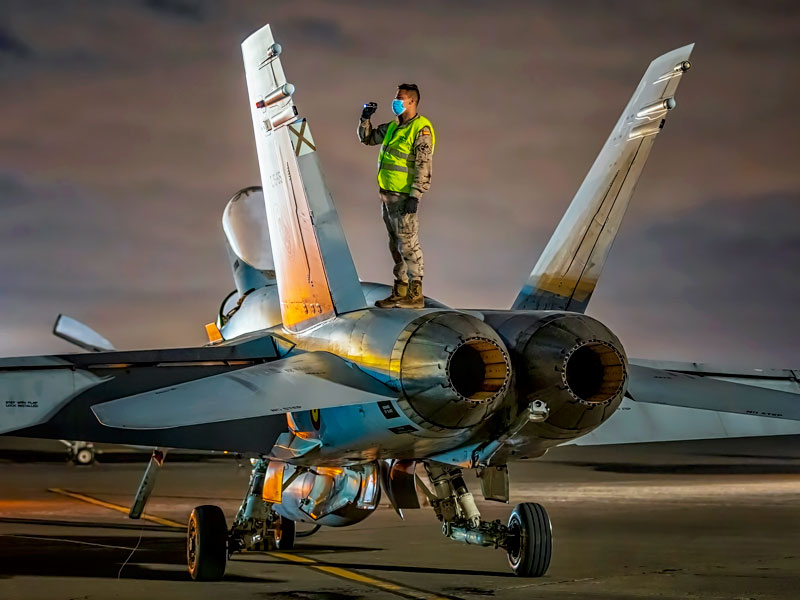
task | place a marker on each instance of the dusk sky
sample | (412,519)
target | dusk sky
(125,129)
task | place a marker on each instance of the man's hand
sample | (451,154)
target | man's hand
(411,206)
(369,110)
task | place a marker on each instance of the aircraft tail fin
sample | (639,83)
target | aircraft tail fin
(314,269)
(568,269)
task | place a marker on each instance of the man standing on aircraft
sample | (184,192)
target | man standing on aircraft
(405,162)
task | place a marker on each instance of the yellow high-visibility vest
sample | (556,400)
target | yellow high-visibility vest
(396,158)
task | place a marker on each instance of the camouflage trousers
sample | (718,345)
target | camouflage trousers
(403,236)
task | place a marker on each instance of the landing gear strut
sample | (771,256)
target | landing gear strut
(527,539)
(257,526)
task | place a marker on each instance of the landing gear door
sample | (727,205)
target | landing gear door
(494,483)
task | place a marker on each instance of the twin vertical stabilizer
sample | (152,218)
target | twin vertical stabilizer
(567,271)
(315,272)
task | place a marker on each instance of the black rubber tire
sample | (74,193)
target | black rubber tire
(530,540)
(207,543)
(84,457)
(285,534)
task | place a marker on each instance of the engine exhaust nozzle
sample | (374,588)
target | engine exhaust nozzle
(477,369)
(454,370)
(594,372)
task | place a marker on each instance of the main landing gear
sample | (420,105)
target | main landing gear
(527,538)
(209,542)
(529,541)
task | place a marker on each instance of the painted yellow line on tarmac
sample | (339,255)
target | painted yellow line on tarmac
(117,507)
(293,557)
(381,584)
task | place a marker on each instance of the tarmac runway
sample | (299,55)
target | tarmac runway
(689,520)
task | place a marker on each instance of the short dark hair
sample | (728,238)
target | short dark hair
(410,87)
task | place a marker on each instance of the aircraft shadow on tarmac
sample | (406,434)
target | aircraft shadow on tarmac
(758,456)
(99,557)
(310,550)
(330,551)
(689,469)
(88,524)
(417,569)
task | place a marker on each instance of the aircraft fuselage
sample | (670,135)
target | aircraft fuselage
(465,380)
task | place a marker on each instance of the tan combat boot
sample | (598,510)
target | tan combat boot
(414,298)
(399,291)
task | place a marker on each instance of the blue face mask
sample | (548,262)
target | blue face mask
(397,107)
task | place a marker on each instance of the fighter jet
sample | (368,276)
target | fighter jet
(339,401)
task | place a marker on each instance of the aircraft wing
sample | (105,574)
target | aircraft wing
(305,381)
(232,396)
(691,401)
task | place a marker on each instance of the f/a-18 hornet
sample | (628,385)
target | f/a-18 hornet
(339,401)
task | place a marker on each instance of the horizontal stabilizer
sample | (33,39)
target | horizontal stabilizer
(765,393)
(689,401)
(566,274)
(307,381)
(640,422)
